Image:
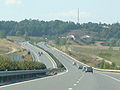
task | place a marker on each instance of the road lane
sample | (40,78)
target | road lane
(114,75)
(44,58)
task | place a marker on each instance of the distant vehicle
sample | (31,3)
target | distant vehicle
(80,67)
(40,53)
(89,69)
(74,63)
(84,68)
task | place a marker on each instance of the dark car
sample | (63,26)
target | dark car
(80,67)
(89,69)
(40,53)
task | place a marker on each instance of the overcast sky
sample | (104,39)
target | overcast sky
(105,11)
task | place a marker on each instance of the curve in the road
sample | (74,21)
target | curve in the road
(74,79)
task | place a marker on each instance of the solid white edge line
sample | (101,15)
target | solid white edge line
(37,57)
(69,56)
(110,77)
(51,60)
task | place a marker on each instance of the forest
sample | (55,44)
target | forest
(109,33)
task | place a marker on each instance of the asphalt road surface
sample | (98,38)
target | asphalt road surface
(72,79)
(44,58)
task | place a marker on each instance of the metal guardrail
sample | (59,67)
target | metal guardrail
(21,72)
(8,77)
(25,72)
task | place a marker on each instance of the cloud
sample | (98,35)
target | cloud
(13,2)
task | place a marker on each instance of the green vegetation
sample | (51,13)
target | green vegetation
(9,49)
(24,38)
(60,41)
(103,57)
(9,65)
(106,53)
(108,33)
(35,27)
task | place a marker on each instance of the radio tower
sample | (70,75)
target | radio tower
(78,15)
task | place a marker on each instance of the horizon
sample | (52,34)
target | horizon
(58,20)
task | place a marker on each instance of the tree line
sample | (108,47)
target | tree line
(110,33)
(35,27)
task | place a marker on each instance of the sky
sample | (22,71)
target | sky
(105,11)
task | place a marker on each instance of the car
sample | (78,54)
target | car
(39,53)
(74,63)
(80,67)
(89,69)
(84,68)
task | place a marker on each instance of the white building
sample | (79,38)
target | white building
(85,37)
(71,37)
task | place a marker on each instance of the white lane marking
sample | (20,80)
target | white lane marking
(37,57)
(34,80)
(52,61)
(70,88)
(81,77)
(79,80)
(50,58)
(110,77)
(69,56)
(75,84)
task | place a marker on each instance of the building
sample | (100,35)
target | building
(70,37)
(85,37)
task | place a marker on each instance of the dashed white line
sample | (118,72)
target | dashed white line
(75,84)
(70,88)
(80,78)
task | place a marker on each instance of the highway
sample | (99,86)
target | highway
(44,58)
(72,79)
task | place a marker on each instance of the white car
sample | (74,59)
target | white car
(84,68)
(74,63)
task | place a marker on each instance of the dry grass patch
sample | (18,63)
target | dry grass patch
(14,49)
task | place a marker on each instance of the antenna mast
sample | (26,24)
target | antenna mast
(78,15)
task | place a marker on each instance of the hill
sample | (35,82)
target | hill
(108,33)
